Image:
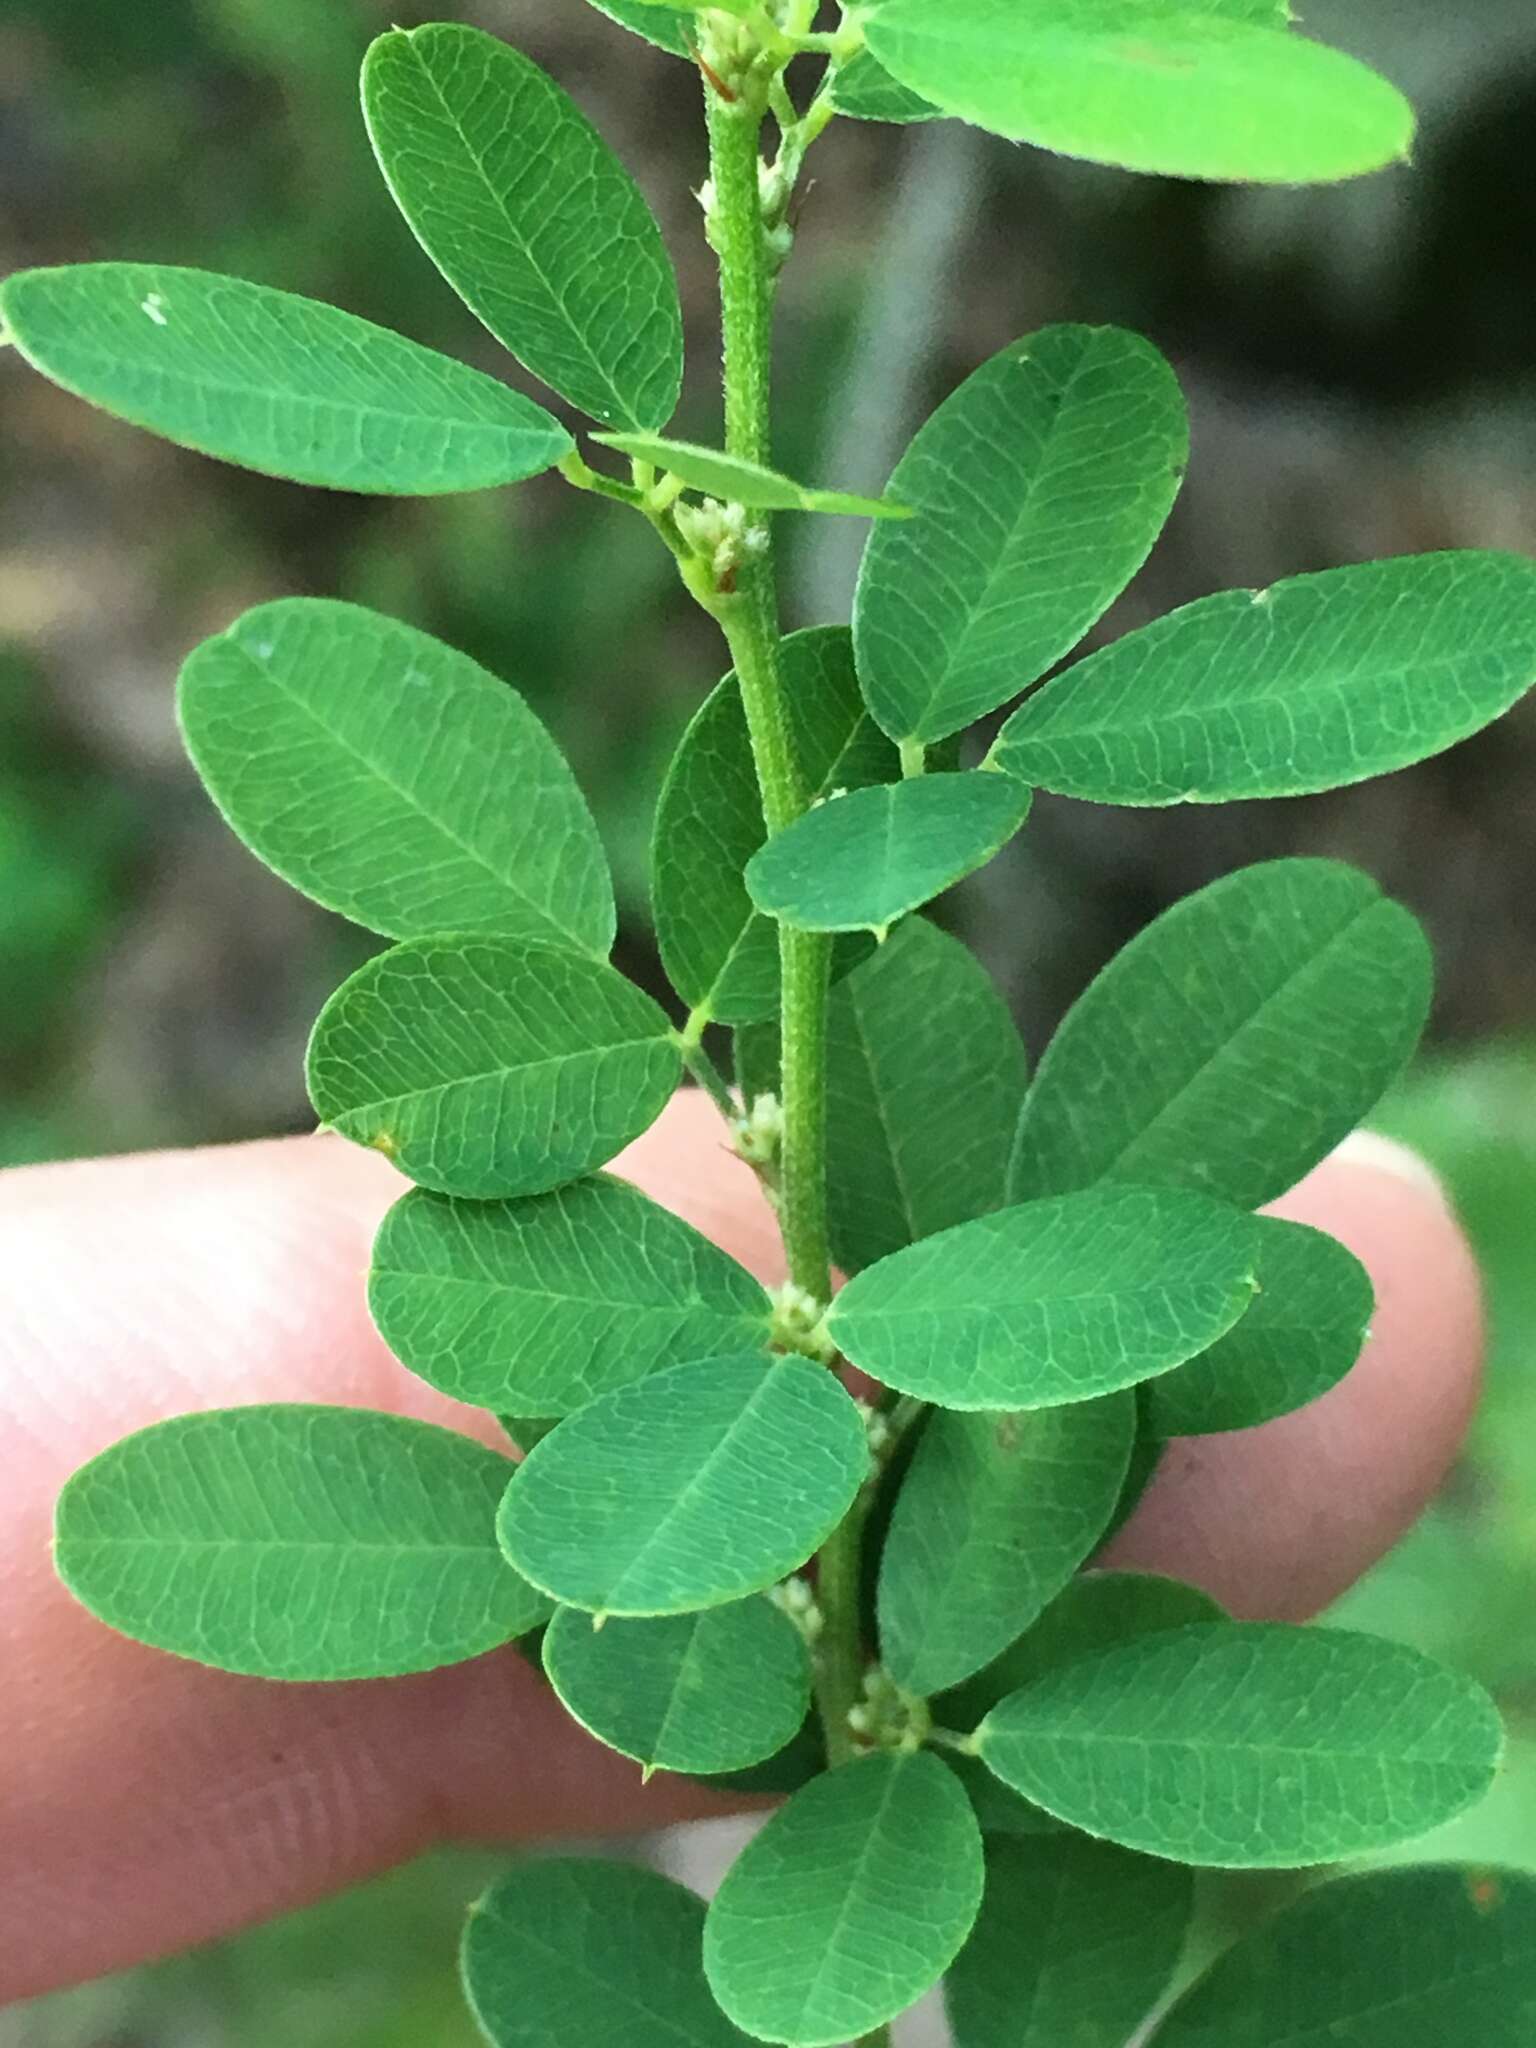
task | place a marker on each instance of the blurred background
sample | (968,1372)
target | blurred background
(1361,368)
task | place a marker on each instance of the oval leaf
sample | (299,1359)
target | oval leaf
(1393,1959)
(861,861)
(1320,682)
(1076,1942)
(1183,91)
(1097,1611)
(530,216)
(488,1069)
(995,1515)
(1303,1333)
(722,955)
(544,1304)
(905,1160)
(1039,487)
(715,1691)
(738,482)
(1286,998)
(850,1904)
(1249,1745)
(275,383)
(297,1543)
(563,1953)
(865,91)
(700,1485)
(392,779)
(1051,1302)
(668,29)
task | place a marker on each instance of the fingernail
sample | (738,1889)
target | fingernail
(1388,1155)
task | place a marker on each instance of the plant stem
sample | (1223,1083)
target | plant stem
(750,618)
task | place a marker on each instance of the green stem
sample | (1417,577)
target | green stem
(750,618)
(840,1650)
(708,1076)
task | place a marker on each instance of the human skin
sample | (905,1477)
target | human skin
(147,1804)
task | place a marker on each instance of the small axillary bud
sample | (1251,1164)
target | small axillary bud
(795,1599)
(890,1718)
(726,536)
(758,1137)
(798,1324)
(727,50)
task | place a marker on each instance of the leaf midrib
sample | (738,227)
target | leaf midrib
(436,1088)
(557,296)
(564,939)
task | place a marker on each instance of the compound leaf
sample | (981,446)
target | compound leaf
(709,1692)
(1233,1043)
(905,1159)
(541,1305)
(995,1515)
(1039,488)
(1076,1942)
(488,1069)
(1053,1301)
(738,482)
(530,217)
(1303,1333)
(1320,682)
(700,1485)
(850,1904)
(562,1953)
(1390,1959)
(861,861)
(297,1543)
(1179,90)
(275,383)
(392,779)
(1248,1745)
(721,954)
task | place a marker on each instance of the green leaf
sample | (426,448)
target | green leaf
(1150,85)
(738,482)
(1097,1611)
(1051,1302)
(566,1954)
(1077,1942)
(706,1692)
(1320,682)
(800,1760)
(850,1904)
(1303,1333)
(488,1069)
(1233,1043)
(865,91)
(392,779)
(861,861)
(527,1430)
(1040,486)
(1392,1959)
(994,1517)
(544,1304)
(275,383)
(658,25)
(720,954)
(530,216)
(296,1543)
(905,1159)
(1249,1745)
(702,1484)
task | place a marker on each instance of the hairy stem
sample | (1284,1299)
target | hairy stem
(750,618)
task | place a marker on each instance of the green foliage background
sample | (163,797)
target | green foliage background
(1362,375)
